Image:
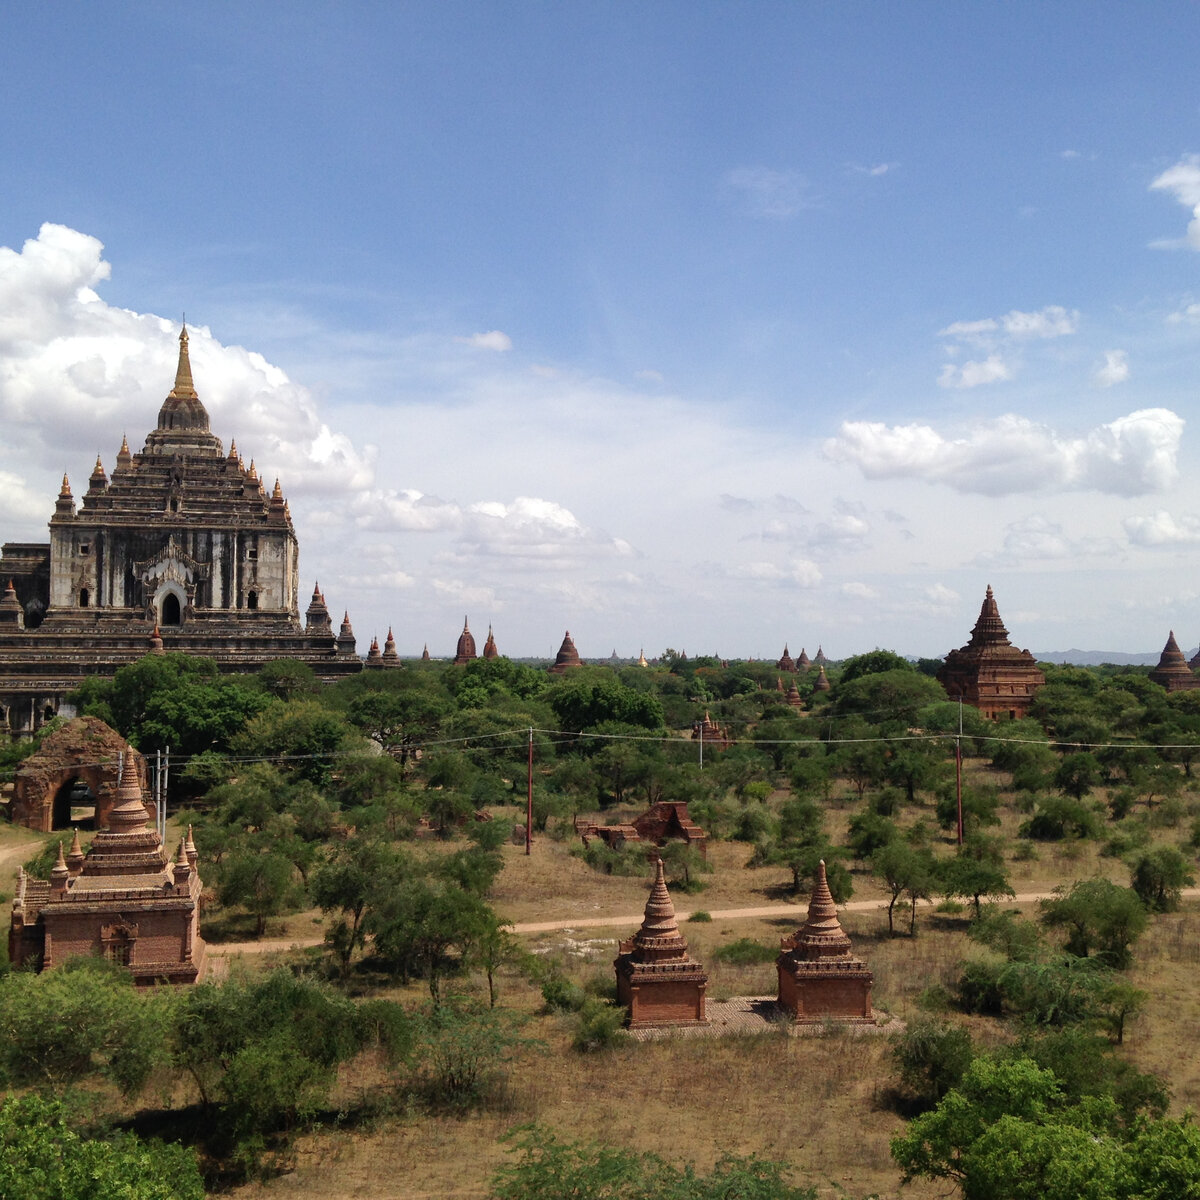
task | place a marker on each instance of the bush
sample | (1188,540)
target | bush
(1057,817)
(931,1058)
(598,1026)
(745,952)
(700,916)
(561,995)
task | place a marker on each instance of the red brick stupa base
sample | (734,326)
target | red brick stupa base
(819,979)
(657,980)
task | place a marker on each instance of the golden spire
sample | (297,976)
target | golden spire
(184,389)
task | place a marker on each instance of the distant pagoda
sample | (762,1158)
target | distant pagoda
(1173,671)
(989,672)
(567,657)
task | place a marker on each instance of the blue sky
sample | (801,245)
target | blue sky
(701,325)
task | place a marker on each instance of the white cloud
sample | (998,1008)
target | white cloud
(1114,369)
(1130,456)
(859,591)
(972,374)
(494,340)
(939,595)
(1189,314)
(799,571)
(1050,322)
(1183,182)
(769,193)
(1162,529)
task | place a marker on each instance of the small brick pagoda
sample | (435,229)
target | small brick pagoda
(1173,671)
(126,900)
(819,979)
(786,663)
(465,650)
(989,672)
(567,657)
(657,980)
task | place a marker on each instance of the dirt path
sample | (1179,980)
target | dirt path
(267,946)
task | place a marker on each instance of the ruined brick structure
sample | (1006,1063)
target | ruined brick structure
(567,658)
(84,752)
(126,900)
(819,978)
(657,980)
(989,672)
(711,733)
(1173,671)
(183,537)
(666,821)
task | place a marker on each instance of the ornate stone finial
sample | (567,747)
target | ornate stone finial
(317,597)
(190,847)
(128,814)
(184,389)
(156,640)
(60,872)
(252,473)
(124,458)
(11,611)
(277,494)
(642,658)
(98,480)
(75,856)
(65,491)
(373,654)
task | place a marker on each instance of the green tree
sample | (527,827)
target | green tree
(85,1020)
(974,876)
(1097,915)
(1158,876)
(261,881)
(1077,774)
(904,871)
(302,738)
(43,1158)
(931,1058)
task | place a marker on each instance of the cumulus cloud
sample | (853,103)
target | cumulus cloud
(769,193)
(1162,529)
(859,591)
(1113,370)
(1130,456)
(74,371)
(1182,181)
(493,340)
(1036,538)
(940,596)
(972,374)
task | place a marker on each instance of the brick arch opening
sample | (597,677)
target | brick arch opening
(74,805)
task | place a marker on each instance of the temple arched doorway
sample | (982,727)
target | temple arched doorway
(172,614)
(74,806)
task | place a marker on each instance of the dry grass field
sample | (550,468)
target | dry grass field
(820,1103)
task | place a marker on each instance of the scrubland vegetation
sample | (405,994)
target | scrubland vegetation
(412,1044)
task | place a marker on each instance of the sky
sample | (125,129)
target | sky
(694,325)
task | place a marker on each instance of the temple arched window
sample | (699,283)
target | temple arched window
(252,601)
(171,612)
(84,597)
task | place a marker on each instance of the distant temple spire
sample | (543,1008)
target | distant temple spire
(184,388)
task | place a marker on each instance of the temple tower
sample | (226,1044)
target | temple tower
(567,657)
(1173,671)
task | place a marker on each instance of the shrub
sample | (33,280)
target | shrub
(700,916)
(931,1057)
(745,952)
(598,1026)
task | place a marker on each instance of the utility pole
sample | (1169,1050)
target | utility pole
(529,796)
(958,771)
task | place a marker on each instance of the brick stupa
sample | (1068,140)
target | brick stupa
(989,672)
(819,978)
(657,980)
(567,657)
(1173,671)
(465,650)
(126,900)
(786,663)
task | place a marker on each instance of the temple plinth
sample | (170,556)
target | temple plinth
(819,977)
(657,980)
